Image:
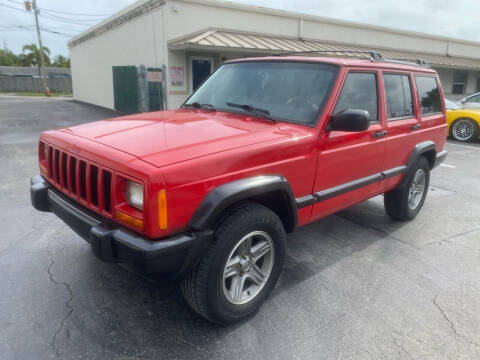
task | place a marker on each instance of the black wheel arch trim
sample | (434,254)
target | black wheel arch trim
(228,194)
(420,149)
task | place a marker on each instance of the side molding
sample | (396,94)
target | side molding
(230,193)
(329,193)
(419,150)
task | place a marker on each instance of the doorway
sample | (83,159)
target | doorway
(200,69)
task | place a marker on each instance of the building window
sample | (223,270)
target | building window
(459,82)
(478,83)
(399,96)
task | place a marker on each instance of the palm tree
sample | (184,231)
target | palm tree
(61,61)
(32,57)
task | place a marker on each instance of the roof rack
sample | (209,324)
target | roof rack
(416,62)
(374,56)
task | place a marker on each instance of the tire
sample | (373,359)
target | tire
(209,290)
(405,203)
(464,130)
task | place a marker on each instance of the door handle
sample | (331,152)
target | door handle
(415,127)
(379,134)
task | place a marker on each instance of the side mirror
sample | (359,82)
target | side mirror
(463,101)
(350,120)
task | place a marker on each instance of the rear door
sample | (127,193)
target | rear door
(349,163)
(402,124)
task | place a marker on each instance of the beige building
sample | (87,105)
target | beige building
(183,41)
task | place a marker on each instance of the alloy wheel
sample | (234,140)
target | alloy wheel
(416,189)
(463,130)
(248,267)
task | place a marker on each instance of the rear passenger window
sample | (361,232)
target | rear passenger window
(359,92)
(428,94)
(399,95)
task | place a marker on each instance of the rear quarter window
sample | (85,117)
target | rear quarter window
(428,94)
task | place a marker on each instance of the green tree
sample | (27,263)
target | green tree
(32,56)
(7,58)
(61,61)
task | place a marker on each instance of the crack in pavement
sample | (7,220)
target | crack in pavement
(452,326)
(452,237)
(67,304)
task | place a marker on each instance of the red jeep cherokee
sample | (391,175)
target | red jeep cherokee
(206,193)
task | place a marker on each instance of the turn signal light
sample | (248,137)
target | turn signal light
(129,220)
(162,209)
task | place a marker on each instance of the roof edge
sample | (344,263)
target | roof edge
(137,9)
(328,20)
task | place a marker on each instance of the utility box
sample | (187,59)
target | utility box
(138,89)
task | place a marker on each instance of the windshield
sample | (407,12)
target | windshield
(451,105)
(289,91)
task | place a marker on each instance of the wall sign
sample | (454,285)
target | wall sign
(154,76)
(177,75)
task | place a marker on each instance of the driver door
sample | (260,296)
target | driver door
(349,163)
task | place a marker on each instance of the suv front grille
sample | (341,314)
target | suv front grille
(80,179)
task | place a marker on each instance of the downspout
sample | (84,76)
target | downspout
(165,55)
(300,29)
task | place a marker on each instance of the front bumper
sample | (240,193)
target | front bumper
(112,243)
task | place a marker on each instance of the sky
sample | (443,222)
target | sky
(61,21)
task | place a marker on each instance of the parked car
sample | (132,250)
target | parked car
(472,101)
(463,124)
(207,192)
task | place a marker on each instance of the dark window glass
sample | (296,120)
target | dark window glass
(359,92)
(399,95)
(428,94)
(288,90)
(475,98)
(459,82)
(478,83)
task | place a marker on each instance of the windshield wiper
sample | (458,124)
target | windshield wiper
(264,113)
(197,105)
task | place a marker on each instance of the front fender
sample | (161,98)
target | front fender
(233,192)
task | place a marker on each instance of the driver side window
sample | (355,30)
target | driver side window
(359,92)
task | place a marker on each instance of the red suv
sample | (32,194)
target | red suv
(205,194)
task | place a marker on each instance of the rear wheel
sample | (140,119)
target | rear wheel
(241,266)
(464,130)
(405,203)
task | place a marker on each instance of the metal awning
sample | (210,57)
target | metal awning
(226,40)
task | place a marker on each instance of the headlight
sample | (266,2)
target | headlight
(135,194)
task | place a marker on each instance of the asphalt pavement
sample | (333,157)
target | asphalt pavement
(355,285)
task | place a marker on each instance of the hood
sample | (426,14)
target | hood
(167,137)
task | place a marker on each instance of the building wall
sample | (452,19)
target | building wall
(136,42)
(187,16)
(446,77)
(144,39)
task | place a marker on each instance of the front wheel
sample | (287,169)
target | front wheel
(405,203)
(464,130)
(241,266)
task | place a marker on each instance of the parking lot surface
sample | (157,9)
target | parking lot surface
(354,285)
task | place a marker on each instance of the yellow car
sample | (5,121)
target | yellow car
(463,124)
